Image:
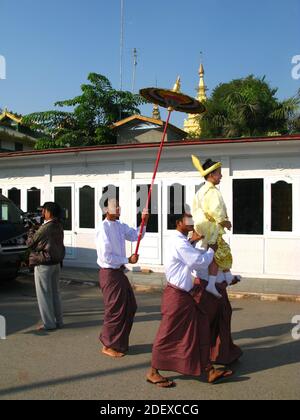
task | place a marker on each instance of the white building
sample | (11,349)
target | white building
(261,186)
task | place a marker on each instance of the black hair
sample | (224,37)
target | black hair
(179,217)
(208,164)
(53,208)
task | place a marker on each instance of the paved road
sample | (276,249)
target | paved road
(66,364)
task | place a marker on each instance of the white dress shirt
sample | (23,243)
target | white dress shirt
(182,259)
(110,241)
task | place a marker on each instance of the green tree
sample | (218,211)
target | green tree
(247,107)
(296,125)
(94,111)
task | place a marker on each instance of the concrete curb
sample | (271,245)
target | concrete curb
(144,288)
(265,297)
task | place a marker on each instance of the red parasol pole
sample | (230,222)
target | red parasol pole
(174,100)
(153,180)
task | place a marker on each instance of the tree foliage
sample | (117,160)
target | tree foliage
(94,111)
(248,107)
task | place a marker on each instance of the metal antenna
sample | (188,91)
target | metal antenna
(121,44)
(121,53)
(135,55)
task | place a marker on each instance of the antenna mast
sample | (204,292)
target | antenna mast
(135,55)
(121,44)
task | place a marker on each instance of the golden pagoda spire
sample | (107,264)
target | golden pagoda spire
(202,88)
(177,85)
(192,125)
(156,113)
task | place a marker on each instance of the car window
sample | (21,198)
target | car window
(9,212)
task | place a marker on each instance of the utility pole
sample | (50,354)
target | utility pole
(135,54)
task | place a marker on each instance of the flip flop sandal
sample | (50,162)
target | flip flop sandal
(168,384)
(236,280)
(227,373)
(41,328)
(117,355)
(223,373)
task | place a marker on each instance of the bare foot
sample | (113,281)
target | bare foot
(214,375)
(155,378)
(43,328)
(112,353)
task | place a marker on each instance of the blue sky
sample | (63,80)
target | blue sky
(51,46)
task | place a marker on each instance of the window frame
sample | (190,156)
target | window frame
(267,211)
(78,187)
(254,235)
(37,188)
(295,182)
(169,185)
(99,194)
(73,202)
(156,185)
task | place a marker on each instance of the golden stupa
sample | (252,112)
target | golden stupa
(192,125)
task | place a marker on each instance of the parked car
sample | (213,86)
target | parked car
(12,239)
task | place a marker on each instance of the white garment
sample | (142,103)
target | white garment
(182,259)
(110,241)
(47,221)
(202,273)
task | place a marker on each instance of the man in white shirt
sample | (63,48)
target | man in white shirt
(119,300)
(223,350)
(182,343)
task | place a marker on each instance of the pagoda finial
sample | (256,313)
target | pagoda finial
(156,113)
(177,85)
(202,88)
(201,70)
(192,125)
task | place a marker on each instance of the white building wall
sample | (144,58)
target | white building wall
(273,254)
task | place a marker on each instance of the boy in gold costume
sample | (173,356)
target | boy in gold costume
(211,219)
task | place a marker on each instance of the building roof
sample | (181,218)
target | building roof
(143,146)
(155,121)
(6,114)
(12,129)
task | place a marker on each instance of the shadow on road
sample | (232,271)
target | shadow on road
(269,331)
(264,351)
(266,358)
(140,349)
(18,304)
(68,379)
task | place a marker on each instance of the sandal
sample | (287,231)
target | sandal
(112,353)
(214,375)
(236,280)
(163,383)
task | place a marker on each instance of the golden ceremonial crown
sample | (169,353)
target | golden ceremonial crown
(204,173)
